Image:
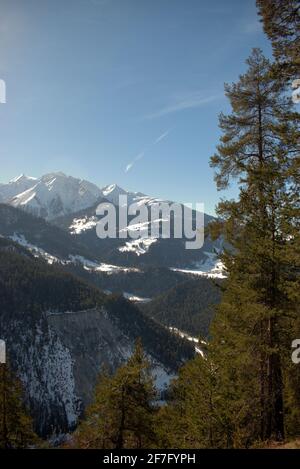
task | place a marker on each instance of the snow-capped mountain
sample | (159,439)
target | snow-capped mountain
(56,194)
(50,196)
(16,186)
(71,204)
(113,191)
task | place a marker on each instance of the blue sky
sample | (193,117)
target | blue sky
(121,91)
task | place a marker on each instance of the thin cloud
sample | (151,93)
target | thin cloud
(132,163)
(161,137)
(191,101)
(142,153)
(128,167)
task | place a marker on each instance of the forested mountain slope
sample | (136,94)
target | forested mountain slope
(188,306)
(60,331)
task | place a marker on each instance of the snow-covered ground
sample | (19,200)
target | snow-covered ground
(212,267)
(216,272)
(135,299)
(82,224)
(143,227)
(138,246)
(37,252)
(184,335)
(162,377)
(87,264)
(113,269)
(101,267)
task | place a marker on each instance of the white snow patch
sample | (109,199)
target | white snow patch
(184,335)
(138,246)
(82,224)
(101,267)
(143,227)
(82,260)
(36,251)
(162,377)
(135,298)
(112,269)
(212,267)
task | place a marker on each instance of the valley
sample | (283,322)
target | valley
(75,304)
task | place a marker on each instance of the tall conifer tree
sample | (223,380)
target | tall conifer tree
(15,424)
(242,390)
(281,19)
(123,410)
(259,147)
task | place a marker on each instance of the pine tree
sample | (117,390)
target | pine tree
(122,413)
(259,147)
(247,386)
(281,21)
(15,423)
(195,416)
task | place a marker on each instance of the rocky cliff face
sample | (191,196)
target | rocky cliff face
(93,341)
(59,358)
(45,366)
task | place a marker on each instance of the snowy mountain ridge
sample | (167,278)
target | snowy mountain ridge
(50,196)
(56,194)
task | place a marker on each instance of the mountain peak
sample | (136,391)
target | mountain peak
(54,174)
(53,194)
(22,177)
(112,188)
